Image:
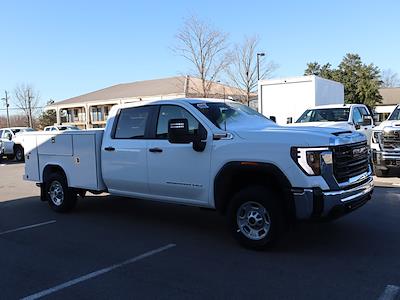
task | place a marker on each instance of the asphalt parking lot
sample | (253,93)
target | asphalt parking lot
(113,247)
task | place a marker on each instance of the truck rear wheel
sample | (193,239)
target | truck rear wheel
(60,197)
(255,218)
(19,153)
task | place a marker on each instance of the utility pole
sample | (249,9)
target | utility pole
(7,106)
(260,108)
(30,109)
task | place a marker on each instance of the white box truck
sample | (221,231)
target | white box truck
(287,98)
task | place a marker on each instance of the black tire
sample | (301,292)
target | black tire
(10,157)
(258,199)
(56,184)
(381,173)
(19,153)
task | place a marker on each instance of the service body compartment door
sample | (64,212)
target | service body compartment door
(31,158)
(83,167)
(57,144)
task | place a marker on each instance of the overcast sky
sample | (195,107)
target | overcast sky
(67,48)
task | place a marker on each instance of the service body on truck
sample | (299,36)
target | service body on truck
(207,153)
(385,144)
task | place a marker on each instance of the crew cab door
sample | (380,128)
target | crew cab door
(8,145)
(178,173)
(124,152)
(363,121)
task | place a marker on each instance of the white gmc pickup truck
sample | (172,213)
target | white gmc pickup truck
(207,153)
(385,144)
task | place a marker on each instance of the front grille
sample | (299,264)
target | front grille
(391,139)
(350,160)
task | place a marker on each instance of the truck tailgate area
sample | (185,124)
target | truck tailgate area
(76,152)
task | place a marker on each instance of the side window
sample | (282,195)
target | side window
(363,111)
(357,117)
(132,123)
(168,112)
(53,129)
(7,134)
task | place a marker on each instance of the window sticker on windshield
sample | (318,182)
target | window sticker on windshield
(202,105)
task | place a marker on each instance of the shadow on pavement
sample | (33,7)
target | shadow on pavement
(350,234)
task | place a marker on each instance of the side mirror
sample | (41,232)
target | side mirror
(367,121)
(200,139)
(178,131)
(9,136)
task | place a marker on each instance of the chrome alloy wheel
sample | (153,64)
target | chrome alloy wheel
(253,220)
(56,193)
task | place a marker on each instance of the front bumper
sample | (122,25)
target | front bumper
(315,203)
(384,159)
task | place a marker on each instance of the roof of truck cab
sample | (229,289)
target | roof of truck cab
(14,128)
(187,100)
(336,106)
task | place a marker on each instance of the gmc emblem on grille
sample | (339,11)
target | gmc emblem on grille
(360,151)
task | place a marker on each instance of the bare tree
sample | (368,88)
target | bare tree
(390,78)
(205,48)
(242,72)
(26,99)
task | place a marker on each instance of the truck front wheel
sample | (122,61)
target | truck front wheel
(19,153)
(255,218)
(60,197)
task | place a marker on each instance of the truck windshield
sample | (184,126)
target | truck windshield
(395,114)
(233,115)
(325,115)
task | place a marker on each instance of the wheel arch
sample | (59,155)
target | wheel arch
(53,168)
(236,175)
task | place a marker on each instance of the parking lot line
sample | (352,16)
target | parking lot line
(27,227)
(390,292)
(97,273)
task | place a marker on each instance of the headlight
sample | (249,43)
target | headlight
(309,159)
(376,136)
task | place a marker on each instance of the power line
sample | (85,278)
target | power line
(17,108)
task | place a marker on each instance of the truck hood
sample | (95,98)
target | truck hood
(391,123)
(341,124)
(308,136)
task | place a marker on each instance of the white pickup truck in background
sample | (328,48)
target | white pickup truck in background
(385,144)
(207,153)
(10,145)
(345,116)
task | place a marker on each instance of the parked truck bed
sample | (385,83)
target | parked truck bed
(77,151)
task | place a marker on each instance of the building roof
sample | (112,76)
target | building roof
(180,85)
(391,96)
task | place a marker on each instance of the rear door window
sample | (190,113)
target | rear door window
(132,122)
